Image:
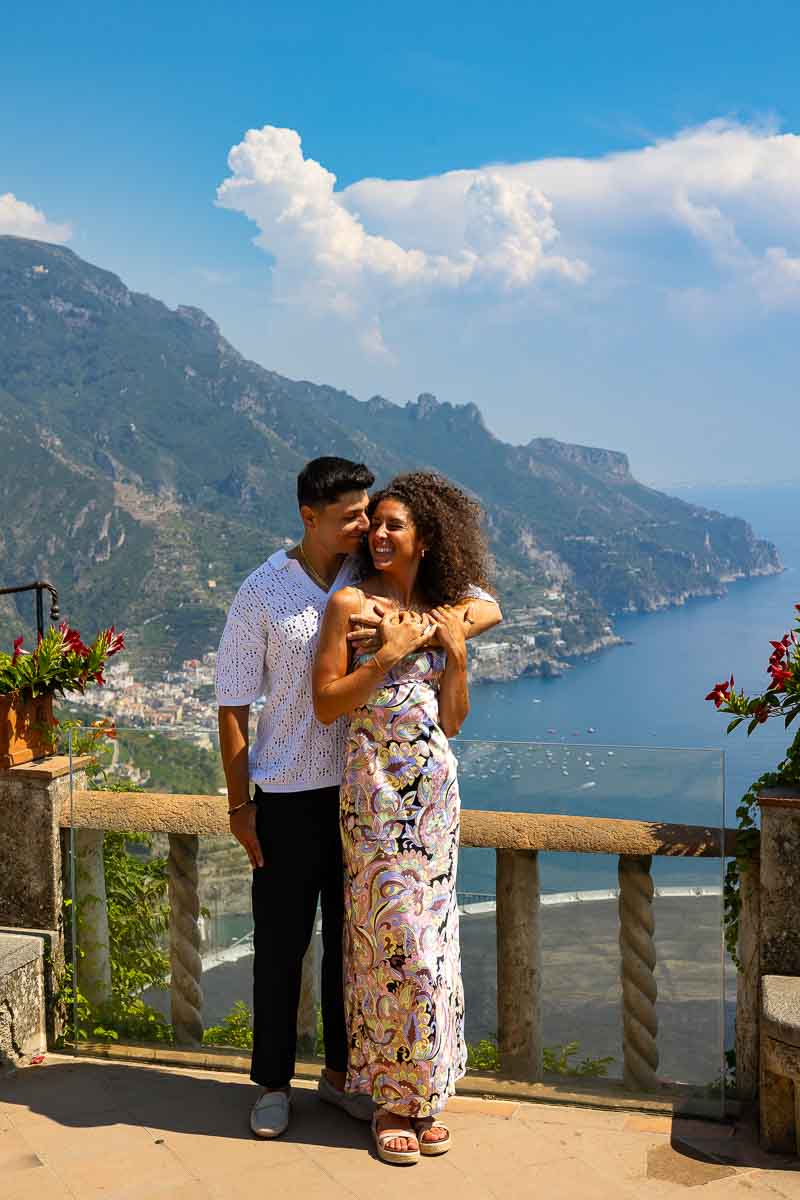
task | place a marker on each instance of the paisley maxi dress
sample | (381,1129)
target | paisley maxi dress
(404,1000)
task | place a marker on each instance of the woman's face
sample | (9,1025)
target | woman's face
(393,540)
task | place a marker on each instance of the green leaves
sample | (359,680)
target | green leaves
(60,663)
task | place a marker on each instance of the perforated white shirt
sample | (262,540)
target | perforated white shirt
(267,649)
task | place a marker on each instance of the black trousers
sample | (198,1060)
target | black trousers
(299,835)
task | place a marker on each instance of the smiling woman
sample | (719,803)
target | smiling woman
(400,804)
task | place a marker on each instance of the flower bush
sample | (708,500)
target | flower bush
(779,700)
(60,663)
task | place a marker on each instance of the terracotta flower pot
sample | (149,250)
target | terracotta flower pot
(25,730)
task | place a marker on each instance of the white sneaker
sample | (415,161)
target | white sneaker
(269,1117)
(354,1104)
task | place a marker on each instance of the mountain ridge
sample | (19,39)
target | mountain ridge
(161,464)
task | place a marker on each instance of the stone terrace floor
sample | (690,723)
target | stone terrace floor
(85,1128)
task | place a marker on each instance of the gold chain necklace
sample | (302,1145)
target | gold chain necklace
(314,575)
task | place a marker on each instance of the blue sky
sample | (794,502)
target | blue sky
(617,260)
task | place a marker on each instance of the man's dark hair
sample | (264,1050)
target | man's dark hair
(324,480)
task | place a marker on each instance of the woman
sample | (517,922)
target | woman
(400,806)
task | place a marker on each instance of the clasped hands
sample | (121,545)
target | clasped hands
(402,631)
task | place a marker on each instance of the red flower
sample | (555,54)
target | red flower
(72,640)
(98,677)
(17,649)
(780,677)
(116,641)
(720,692)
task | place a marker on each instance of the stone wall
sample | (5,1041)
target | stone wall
(22,1000)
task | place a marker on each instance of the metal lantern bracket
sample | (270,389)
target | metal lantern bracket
(39,587)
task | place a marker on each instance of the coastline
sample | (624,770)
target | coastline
(512,659)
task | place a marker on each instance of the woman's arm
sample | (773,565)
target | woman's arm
(335,691)
(453,689)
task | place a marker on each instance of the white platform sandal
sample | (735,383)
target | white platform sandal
(398,1158)
(424,1125)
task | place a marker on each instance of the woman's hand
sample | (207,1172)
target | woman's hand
(451,632)
(402,633)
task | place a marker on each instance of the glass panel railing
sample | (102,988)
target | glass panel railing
(579,918)
(579,923)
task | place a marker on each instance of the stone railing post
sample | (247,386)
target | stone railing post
(519,973)
(780,877)
(748,982)
(32,797)
(184,939)
(309,993)
(779,1086)
(94,962)
(638,961)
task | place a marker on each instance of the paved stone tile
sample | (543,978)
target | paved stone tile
(129,1175)
(748,1185)
(213,1158)
(646,1123)
(300,1181)
(482,1108)
(561,1114)
(32,1185)
(568,1179)
(782,1183)
(16,1154)
(59,1145)
(668,1164)
(193,1190)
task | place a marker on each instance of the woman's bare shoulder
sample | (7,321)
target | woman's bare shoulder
(347,600)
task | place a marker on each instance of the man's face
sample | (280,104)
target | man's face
(340,526)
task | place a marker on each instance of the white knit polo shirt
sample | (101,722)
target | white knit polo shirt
(267,649)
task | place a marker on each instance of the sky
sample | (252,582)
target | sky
(582,217)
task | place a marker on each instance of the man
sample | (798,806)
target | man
(290,828)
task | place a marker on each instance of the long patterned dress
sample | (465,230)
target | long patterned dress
(404,999)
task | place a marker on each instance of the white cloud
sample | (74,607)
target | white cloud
(645,300)
(324,252)
(23,220)
(719,205)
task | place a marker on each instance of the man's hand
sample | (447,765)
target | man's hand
(243,828)
(365,636)
(451,633)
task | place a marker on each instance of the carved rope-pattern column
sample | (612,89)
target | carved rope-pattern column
(184,939)
(519,972)
(94,963)
(638,961)
(748,983)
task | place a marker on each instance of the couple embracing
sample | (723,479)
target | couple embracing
(355,639)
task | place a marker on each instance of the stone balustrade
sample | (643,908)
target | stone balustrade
(517,839)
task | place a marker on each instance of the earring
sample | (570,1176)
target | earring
(422,554)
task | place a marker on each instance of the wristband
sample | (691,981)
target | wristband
(236,807)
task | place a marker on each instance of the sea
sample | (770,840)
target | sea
(628,732)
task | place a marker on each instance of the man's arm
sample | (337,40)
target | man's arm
(233,746)
(478,616)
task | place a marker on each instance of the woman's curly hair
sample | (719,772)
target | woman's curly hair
(449,523)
